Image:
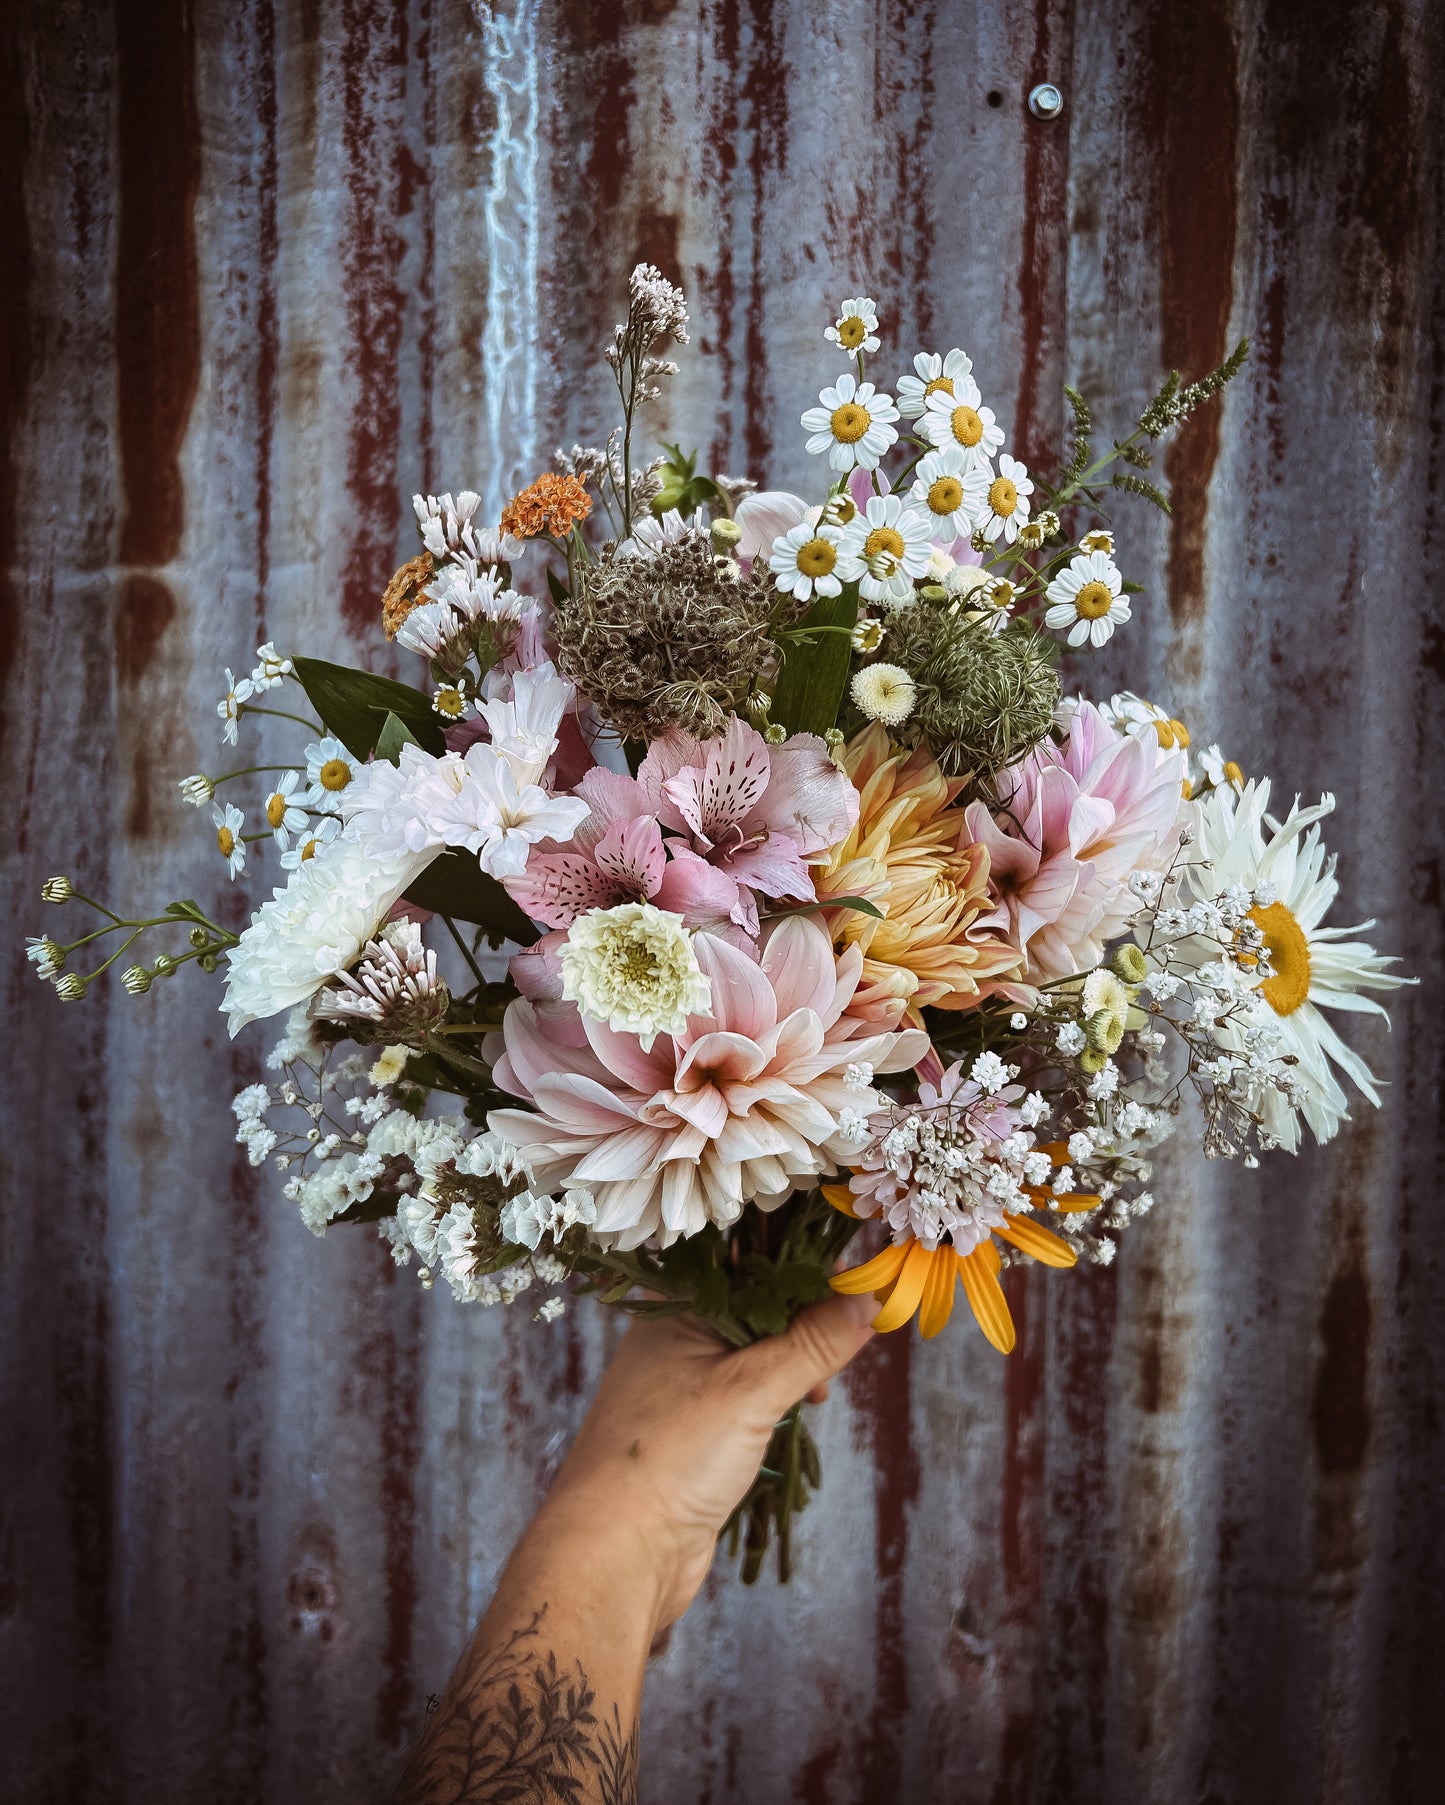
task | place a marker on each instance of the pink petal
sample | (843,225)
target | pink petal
(632,853)
(721,1057)
(766,517)
(669,754)
(808,797)
(776,868)
(702,894)
(799,964)
(742,998)
(557,887)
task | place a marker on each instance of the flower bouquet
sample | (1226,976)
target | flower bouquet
(738,884)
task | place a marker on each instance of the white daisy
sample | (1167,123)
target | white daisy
(1143,720)
(284,815)
(951,492)
(228,823)
(934,375)
(852,425)
(229,706)
(1215,768)
(271,668)
(1100,540)
(309,843)
(884,549)
(1008,501)
(960,418)
(854,329)
(329,769)
(1088,600)
(804,561)
(450,699)
(1310,967)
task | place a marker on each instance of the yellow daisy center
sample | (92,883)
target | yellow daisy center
(226,840)
(1232,773)
(1003,498)
(1093,601)
(841,509)
(1289,954)
(883,539)
(335,774)
(276,809)
(817,558)
(1171,734)
(941,385)
(450,701)
(850,422)
(946,495)
(851,332)
(308,851)
(967,427)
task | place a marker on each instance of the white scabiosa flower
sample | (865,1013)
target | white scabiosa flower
(853,424)
(1087,600)
(634,968)
(315,928)
(955,416)
(932,375)
(1008,501)
(951,493)
(329,770)
(228,822)
(804,562)
(884,550)
(856,326)
(885,693)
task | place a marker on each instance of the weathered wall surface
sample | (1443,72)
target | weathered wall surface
(271,265)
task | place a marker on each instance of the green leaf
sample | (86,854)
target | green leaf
(558,588)
(762,1308)
(812,679)
(393,736)
(380,1204)
(354,705)
(860,903)
(456,885)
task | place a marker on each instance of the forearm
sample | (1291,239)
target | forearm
(546,1700)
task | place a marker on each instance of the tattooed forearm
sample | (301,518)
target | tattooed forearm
(520,1727)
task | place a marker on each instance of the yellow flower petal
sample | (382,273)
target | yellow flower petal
(904,1298)
(985,1295)
(1037,1242)
(937,1305)
(841,1198)
(878,1273)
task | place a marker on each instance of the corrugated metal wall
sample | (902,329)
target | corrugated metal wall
(270,265)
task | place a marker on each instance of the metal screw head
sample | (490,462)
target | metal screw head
(1046,101)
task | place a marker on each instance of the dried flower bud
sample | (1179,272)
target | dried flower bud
(1091,1060)
(775,733)
(197,790)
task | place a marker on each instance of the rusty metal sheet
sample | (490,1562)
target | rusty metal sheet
(272,265)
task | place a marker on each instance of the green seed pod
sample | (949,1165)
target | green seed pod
(1091,1060)
(725,534)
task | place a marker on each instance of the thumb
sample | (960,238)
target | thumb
(821,1340)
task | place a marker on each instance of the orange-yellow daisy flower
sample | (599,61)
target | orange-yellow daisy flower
(912,855)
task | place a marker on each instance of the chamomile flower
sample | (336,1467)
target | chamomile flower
(867,635)
(1099,540)
(284,814)
(310,842)
(1008,501)
(804,561)
(960,419)
(228,822)
(933,375)
(229,706)
(450,699)
(853,424)
(329,769)
(856,326)
(197,790)
(1219,770)
(884,549)
(1088,600)
(1143,720)
(271,668)
(884,693)
(952,493)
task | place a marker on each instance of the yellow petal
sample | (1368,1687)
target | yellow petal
(1037,1242)
(841,1198)
(985,1296)
(879,1272)
(908,1289)
(1073,1201)
(937,1305)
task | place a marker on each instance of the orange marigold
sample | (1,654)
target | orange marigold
(553,504)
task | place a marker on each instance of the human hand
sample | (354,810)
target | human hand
(678,1430)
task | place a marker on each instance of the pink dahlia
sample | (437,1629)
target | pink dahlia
(764,1094)
(1074,821)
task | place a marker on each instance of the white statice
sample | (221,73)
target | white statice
(931,375)
(230,705)
(856,327)
(804,562)
(316,927)
(853,424)
(884,693)
(885,549)
(635,968)
(228,822)
(449,529)
(952,494)
(1087,600)
(330,772)
(526,1218)
(955,417)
